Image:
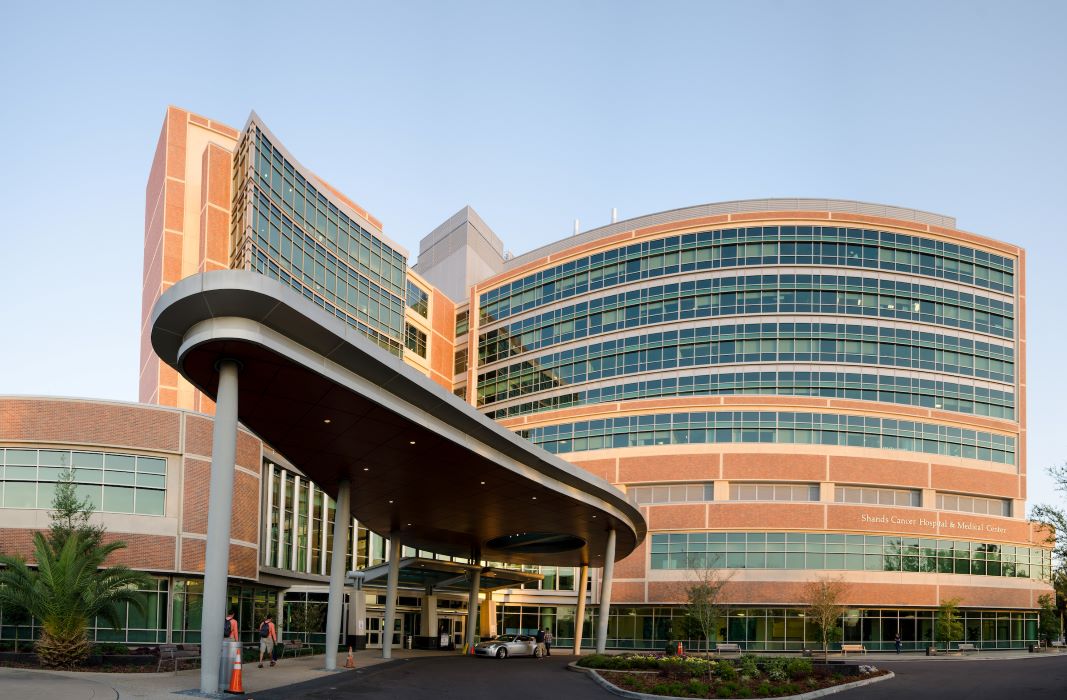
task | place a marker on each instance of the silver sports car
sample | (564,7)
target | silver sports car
(508,645)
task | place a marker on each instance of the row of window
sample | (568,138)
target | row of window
(349,311)
(974,504)
(772,427)
(886,388)
(754,245)
(798,550)
(312,245)
(753,294)
(414,340)
(870,495)
(770,629)
(113,482)
(314,213)
(749,343)
(418,300)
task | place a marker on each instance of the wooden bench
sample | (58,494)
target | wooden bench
(177,654)
(721,649)
(295,646)
(858,648)
(965,647)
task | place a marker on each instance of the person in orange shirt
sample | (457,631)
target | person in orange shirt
(268,636)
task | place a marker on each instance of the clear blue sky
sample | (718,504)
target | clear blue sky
(533,113)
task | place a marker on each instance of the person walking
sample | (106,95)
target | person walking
(268,637)
(539,652)
(548,642)
(229,629)
(896,641)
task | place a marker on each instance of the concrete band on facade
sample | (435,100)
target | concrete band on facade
(340,407)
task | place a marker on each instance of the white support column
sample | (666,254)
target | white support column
(268,551)
(336,600)
(279,615)
(219,514)
(605,594)
(311,528)
(391,586)
(579,615)
(295,563)
(428,621)
(322,544)
(281,563)
(472,608)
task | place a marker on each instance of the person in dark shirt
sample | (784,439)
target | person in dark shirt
(539,652)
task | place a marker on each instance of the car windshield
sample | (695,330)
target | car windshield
(505,638)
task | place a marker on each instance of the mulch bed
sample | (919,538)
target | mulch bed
(687,686)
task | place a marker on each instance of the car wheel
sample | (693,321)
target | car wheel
(502,653)
(537,653)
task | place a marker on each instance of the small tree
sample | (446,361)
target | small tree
(1048,620)
(706,604)
(307,619)
(948,627)
(824,608)
(69,584)
(72,515)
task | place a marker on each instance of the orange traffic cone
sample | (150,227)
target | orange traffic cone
(235,676)
(350,662)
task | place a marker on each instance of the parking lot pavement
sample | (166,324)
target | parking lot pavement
(969,679)
(434,678)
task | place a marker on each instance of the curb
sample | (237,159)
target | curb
(616,690)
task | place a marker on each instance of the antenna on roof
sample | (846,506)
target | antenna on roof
(576,223)
(614,214)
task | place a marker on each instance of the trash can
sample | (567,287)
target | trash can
(229,654)
(408,641)
(1031,648)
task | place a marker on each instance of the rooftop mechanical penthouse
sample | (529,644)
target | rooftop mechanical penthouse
(786,388)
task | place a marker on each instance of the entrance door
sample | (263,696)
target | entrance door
(376,626)
(453,626)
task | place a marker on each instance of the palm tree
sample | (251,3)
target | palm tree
(67,590)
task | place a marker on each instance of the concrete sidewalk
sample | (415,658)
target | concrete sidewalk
(25,684)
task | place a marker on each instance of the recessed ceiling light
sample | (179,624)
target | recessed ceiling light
(411,442)
(410,524)
(366,469)
(534,497)
(390,501)
(594,517)
(483,483)
(326,420)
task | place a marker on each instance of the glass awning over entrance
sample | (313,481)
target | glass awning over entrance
(437,576)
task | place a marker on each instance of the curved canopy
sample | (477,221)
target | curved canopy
(421,461)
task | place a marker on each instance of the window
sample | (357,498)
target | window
(874,496)
(460,364)
(415,340)
(670,493)
(113,483)
(974,504)
(418,300)
(462,323)
(774,492)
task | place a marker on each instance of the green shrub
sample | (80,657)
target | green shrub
(749,666)
(727,671)
(727,689)
(698,688)
(798,667)
(775,668)
(107,648)
(672,688)
(763,689)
